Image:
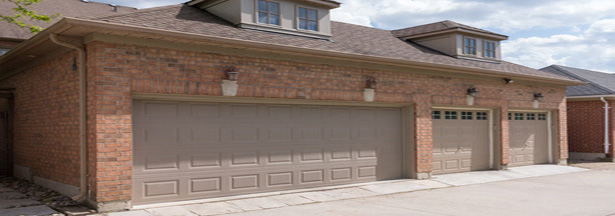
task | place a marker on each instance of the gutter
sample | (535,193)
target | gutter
(606,125)
(82,196)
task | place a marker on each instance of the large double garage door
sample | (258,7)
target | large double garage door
(186,150)
(462,140)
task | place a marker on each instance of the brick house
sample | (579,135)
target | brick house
(590,125)
(221,98)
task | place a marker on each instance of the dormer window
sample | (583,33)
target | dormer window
(469,46)
(308,19)
(489,49)
(268,12)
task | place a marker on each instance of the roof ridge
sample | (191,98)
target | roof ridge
(561,68)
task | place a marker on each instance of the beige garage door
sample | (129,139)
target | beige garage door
(461,141)
(528,138)
(186,151)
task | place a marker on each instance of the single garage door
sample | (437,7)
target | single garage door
(528,138)
(186,151)
(461,141)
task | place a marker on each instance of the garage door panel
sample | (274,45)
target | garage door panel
(528,139)
(239,149)
(461,141)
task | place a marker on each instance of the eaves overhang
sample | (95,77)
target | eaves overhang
(80,28)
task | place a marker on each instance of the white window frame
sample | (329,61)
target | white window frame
(258,11)
(298,19)
(465,51)
(485,50)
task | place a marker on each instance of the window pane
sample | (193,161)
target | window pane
(435,114)
(274,8)
(303,24)
(313,26)
(274,19)
(312,15)
(518,116)
(531,116)
(262,5)
(262,17)
(466,115)
(302,13)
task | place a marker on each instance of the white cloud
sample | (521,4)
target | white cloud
(567,32)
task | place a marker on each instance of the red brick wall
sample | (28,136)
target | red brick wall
(586,126)
(117,70)
(47,103)
(46,124)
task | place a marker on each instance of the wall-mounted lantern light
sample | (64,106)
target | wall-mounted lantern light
(371,82)
(538,96)
(231,73)
(508,81)
(472,92)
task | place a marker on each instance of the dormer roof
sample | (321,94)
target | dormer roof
(443,27)
(329,4)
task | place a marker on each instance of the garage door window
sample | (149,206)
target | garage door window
(531,116)
(518,116)
(481,116)
(542,116)
(509,116)
(435,115)
(450,115)
(466,115)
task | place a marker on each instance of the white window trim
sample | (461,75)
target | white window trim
(495,49)
(297,18)
(476,43)
(256,11)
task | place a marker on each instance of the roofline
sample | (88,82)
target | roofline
(68,22)
(455,29)
(589,97)
(560,69)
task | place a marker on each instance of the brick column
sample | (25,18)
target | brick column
(504,136)
(563,133)
(423,136)
(109,129)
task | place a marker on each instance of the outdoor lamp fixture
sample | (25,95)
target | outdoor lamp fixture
(472,92)
(371,82)
(369,93)
(508,81)
(537,98)
(231,73)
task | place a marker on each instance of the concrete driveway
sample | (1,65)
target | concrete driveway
(557,190)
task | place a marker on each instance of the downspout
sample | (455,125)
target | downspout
(606,125)
(82,196)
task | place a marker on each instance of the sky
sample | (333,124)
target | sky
(541,32)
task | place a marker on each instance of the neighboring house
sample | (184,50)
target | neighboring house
(11,35)
(218,98)
(591,128)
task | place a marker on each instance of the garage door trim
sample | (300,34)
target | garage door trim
(549,128)
(252,100)
(491,128)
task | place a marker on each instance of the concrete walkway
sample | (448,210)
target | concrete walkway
(13,203)
(361,199)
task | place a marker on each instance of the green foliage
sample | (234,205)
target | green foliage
(23,12)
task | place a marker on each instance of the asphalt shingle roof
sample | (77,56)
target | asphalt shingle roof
(66,8)
(346,38)
(599,83)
